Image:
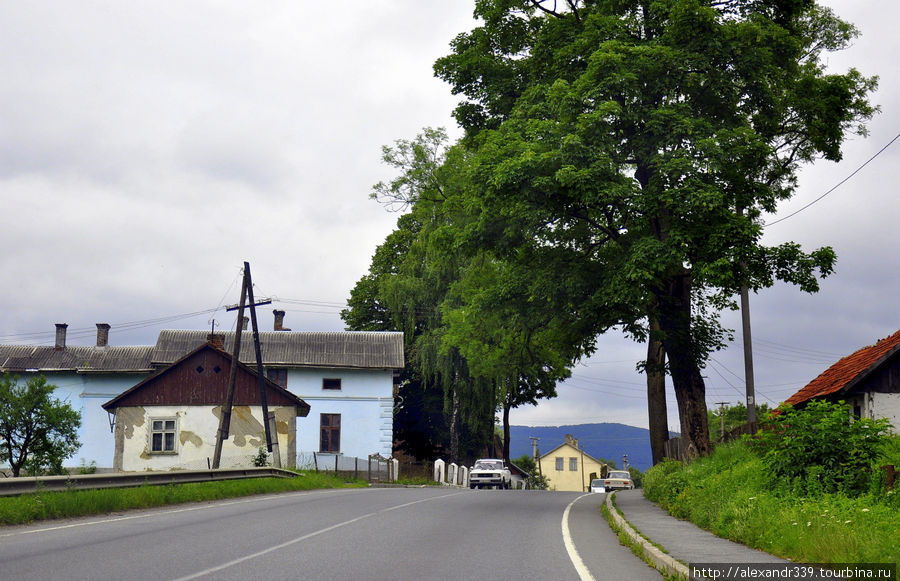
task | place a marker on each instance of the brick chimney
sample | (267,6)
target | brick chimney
(61,336)
(217,340)
(571,440)
(102,334)
(279,320)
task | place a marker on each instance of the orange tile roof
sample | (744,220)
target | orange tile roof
(848,369)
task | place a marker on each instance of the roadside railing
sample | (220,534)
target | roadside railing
(29,484)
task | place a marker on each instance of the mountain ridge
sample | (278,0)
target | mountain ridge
(607,441)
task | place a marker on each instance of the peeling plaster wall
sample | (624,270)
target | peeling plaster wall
(365,402)
(196,438)
(885,405)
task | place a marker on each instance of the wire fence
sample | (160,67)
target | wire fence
(374,468)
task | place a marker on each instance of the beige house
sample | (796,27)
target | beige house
(567,468)
(171,419)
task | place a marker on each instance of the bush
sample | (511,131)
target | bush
(261,460)
(821,448)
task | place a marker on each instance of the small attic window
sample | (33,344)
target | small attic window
(217,369)
(199,369)
(333,383)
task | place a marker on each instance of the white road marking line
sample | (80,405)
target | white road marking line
(285,544)
(583,572)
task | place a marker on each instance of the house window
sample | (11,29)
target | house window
(559,464)
(331,383)
(278,376)
(162,435)
(330,433)
(573,464)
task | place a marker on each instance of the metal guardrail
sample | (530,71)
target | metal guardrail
(26,485)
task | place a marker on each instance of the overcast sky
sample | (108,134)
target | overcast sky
(147,149)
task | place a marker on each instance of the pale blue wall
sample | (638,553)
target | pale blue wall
(365,402)
(85,393)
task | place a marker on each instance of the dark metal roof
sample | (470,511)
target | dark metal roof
(354,349)
(19,358)
(351,349)
(201,378)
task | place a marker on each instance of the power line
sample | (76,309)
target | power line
(839,184)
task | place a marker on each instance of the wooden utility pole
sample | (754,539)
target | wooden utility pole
(748,341)
(225,417)
(722,405)
(748,355)
(261,379)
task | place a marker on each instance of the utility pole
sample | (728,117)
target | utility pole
(748,341)
(535,453)
(722,405)
(583,483)
(225,418)
(261,379)
(748,355)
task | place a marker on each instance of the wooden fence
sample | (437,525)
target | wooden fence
(678,449)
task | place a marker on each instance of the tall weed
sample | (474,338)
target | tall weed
(735,495)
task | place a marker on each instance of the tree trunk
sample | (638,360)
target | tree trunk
(690,390)
(454,425)
(656,393)
(506,408)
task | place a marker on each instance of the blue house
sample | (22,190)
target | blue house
(348,379)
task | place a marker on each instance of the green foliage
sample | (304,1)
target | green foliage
(821,448)
(636,476)
(617,161)
(37,431)
(535,480)
(86,468)
(27,508)
(734,495)
(735,415)
(261,460)
(634,146)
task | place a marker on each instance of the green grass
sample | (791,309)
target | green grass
(732,494)
(73,503)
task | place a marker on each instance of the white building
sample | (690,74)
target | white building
(346,377)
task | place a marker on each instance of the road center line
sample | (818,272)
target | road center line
(583,572)
(305,537)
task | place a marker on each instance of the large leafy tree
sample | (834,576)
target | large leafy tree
(37,431)
(641,140)
(444,408)
(474,331)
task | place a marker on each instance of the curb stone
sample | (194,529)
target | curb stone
(663,562)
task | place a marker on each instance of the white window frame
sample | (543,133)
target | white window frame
(573,464)
(560,463)
(163,430)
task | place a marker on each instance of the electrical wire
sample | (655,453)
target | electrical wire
(839,184)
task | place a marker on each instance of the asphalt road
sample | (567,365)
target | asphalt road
(378,533)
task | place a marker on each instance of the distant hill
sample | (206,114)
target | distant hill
(607,441)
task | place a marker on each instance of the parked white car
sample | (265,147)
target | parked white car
(597,485)
(490,472)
